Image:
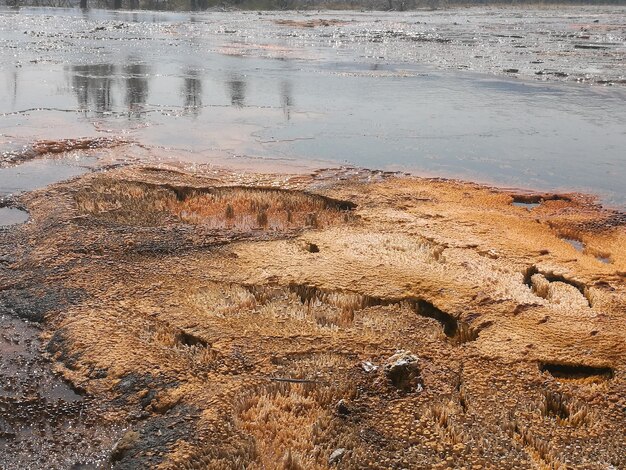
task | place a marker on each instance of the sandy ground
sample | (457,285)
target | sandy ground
(340,318)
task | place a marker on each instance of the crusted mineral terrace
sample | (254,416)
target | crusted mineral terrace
(342,319)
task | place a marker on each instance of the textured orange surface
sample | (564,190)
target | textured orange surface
(260,324)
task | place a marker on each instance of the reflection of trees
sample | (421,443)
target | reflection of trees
(192,92)
(237,89)
(136,87)
(286,98)
(14,81)
(92,86)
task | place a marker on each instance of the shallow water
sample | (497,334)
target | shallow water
(577,244)
(12,216)
(36,174)
(44,423)
(424,92)
(527,205)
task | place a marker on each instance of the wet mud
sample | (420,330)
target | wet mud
(344,319)
(45,422)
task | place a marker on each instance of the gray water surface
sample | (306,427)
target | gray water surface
(12,216)
(380,91)
(32,175)
(36,174)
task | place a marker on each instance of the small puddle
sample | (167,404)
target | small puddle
(604,259)
(577,244)
(36,174)
(527,205)
(12,216)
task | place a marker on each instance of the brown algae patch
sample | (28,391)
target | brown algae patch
(42,148)
(234,207)
(322,321)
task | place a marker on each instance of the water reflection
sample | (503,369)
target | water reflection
(136,81)
(286,98)
(96,86)
(13,87)
(92,87)
(237,90)
(191,92)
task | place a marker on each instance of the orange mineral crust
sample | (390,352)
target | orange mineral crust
(343,319)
